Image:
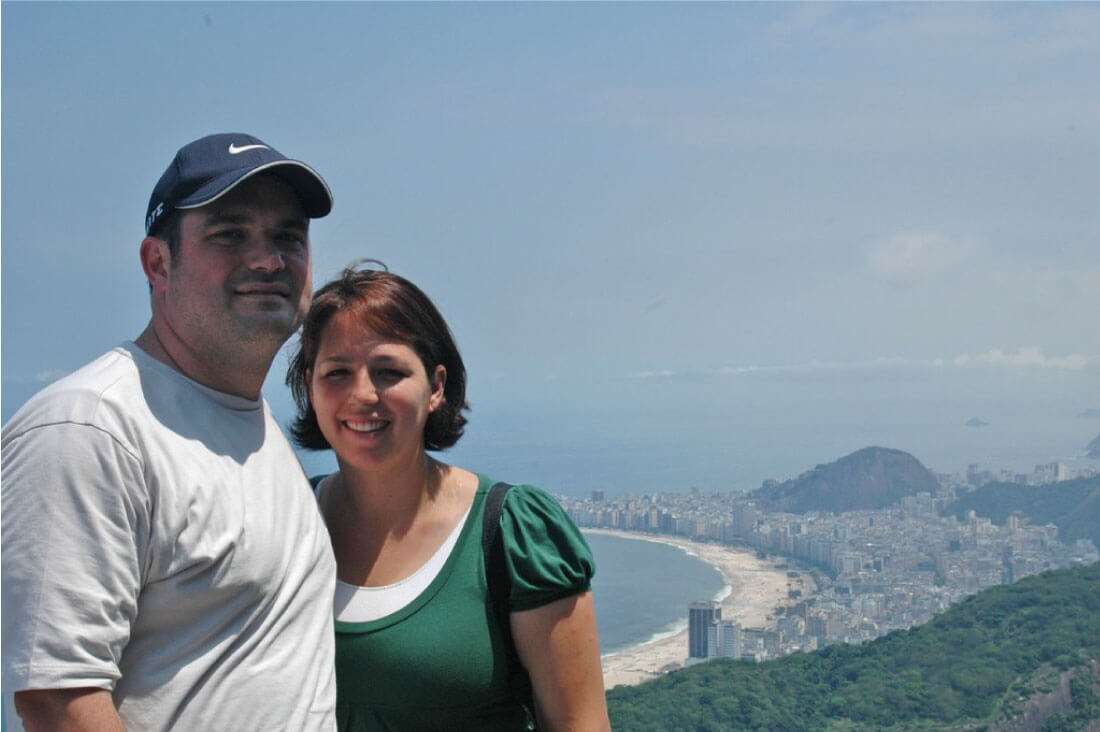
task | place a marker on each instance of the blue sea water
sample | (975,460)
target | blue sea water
(643,588)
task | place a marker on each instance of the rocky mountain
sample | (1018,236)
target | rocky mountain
(871,478)
(1094,448)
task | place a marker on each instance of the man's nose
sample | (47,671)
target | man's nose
(265,256)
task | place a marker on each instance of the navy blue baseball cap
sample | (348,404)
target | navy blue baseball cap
(210,167)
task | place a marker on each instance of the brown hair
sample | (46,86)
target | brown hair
(392,307)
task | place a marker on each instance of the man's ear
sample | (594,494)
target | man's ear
(156,260)
(439,382)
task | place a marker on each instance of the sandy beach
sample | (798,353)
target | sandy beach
(757,588)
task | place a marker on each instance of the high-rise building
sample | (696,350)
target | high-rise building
(714,638)
(728,639)
(701,616)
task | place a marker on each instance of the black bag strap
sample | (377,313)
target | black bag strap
(500,588)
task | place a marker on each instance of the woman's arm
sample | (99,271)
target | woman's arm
(558,645)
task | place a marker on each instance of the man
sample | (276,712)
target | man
(164,563)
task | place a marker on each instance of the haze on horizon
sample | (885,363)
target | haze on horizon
(798,228)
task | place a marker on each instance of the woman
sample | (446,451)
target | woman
(422,642)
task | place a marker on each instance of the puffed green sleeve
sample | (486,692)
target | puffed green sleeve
(547,556)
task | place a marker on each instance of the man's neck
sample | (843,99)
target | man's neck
(234,374)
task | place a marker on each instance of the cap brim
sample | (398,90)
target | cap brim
(307,183)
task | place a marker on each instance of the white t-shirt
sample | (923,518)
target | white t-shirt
(160,540)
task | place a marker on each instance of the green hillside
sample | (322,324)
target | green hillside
(1000,654)
(1073,505)
(871,478)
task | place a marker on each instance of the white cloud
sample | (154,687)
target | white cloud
(653,374)
(49,375)
(1028,356)
(1025,357)
(909,257)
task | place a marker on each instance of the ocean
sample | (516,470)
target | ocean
(643,588)
(664,437)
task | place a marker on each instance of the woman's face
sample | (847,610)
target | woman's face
(372,395)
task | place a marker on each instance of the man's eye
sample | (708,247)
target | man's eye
(291,239)
(228,236)
(335,374)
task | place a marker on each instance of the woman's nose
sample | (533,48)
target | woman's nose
(365,390)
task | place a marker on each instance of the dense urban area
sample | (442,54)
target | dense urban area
(875,570)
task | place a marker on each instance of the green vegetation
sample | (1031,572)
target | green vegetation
(1073,505)
(1085,707)
(980,661)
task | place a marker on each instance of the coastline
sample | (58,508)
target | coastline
(754,588)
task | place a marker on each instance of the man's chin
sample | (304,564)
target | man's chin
(267,325)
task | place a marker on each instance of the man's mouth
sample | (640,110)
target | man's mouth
(264,289)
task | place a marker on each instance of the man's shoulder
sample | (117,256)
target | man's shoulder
(81,396)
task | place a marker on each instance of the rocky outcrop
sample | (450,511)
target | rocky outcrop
(871,478)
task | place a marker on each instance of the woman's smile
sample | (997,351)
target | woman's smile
(368,427)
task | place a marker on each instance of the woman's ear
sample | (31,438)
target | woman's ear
(439,383)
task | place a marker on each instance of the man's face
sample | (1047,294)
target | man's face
(240,277)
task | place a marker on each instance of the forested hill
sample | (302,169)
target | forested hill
(871,478)
(1027,650)
(1072,505)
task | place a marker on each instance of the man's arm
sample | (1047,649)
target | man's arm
(68,710)
(75,522)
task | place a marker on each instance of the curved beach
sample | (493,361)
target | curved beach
(755,587)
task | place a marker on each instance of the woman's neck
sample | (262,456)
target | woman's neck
(389,497)
(384,526)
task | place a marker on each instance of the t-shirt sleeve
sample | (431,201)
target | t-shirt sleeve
(75,529)
(547,556)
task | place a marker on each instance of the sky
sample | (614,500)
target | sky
(778,231)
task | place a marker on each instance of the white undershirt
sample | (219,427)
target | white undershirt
(357,604)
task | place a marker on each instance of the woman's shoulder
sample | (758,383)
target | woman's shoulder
(524,503)
(532,500)
(547,556)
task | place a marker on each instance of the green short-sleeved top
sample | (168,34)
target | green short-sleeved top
(439,662)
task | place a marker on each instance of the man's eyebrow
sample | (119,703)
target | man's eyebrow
(295,223)
(216,218)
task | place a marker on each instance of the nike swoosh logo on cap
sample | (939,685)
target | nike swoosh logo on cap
(235,150)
